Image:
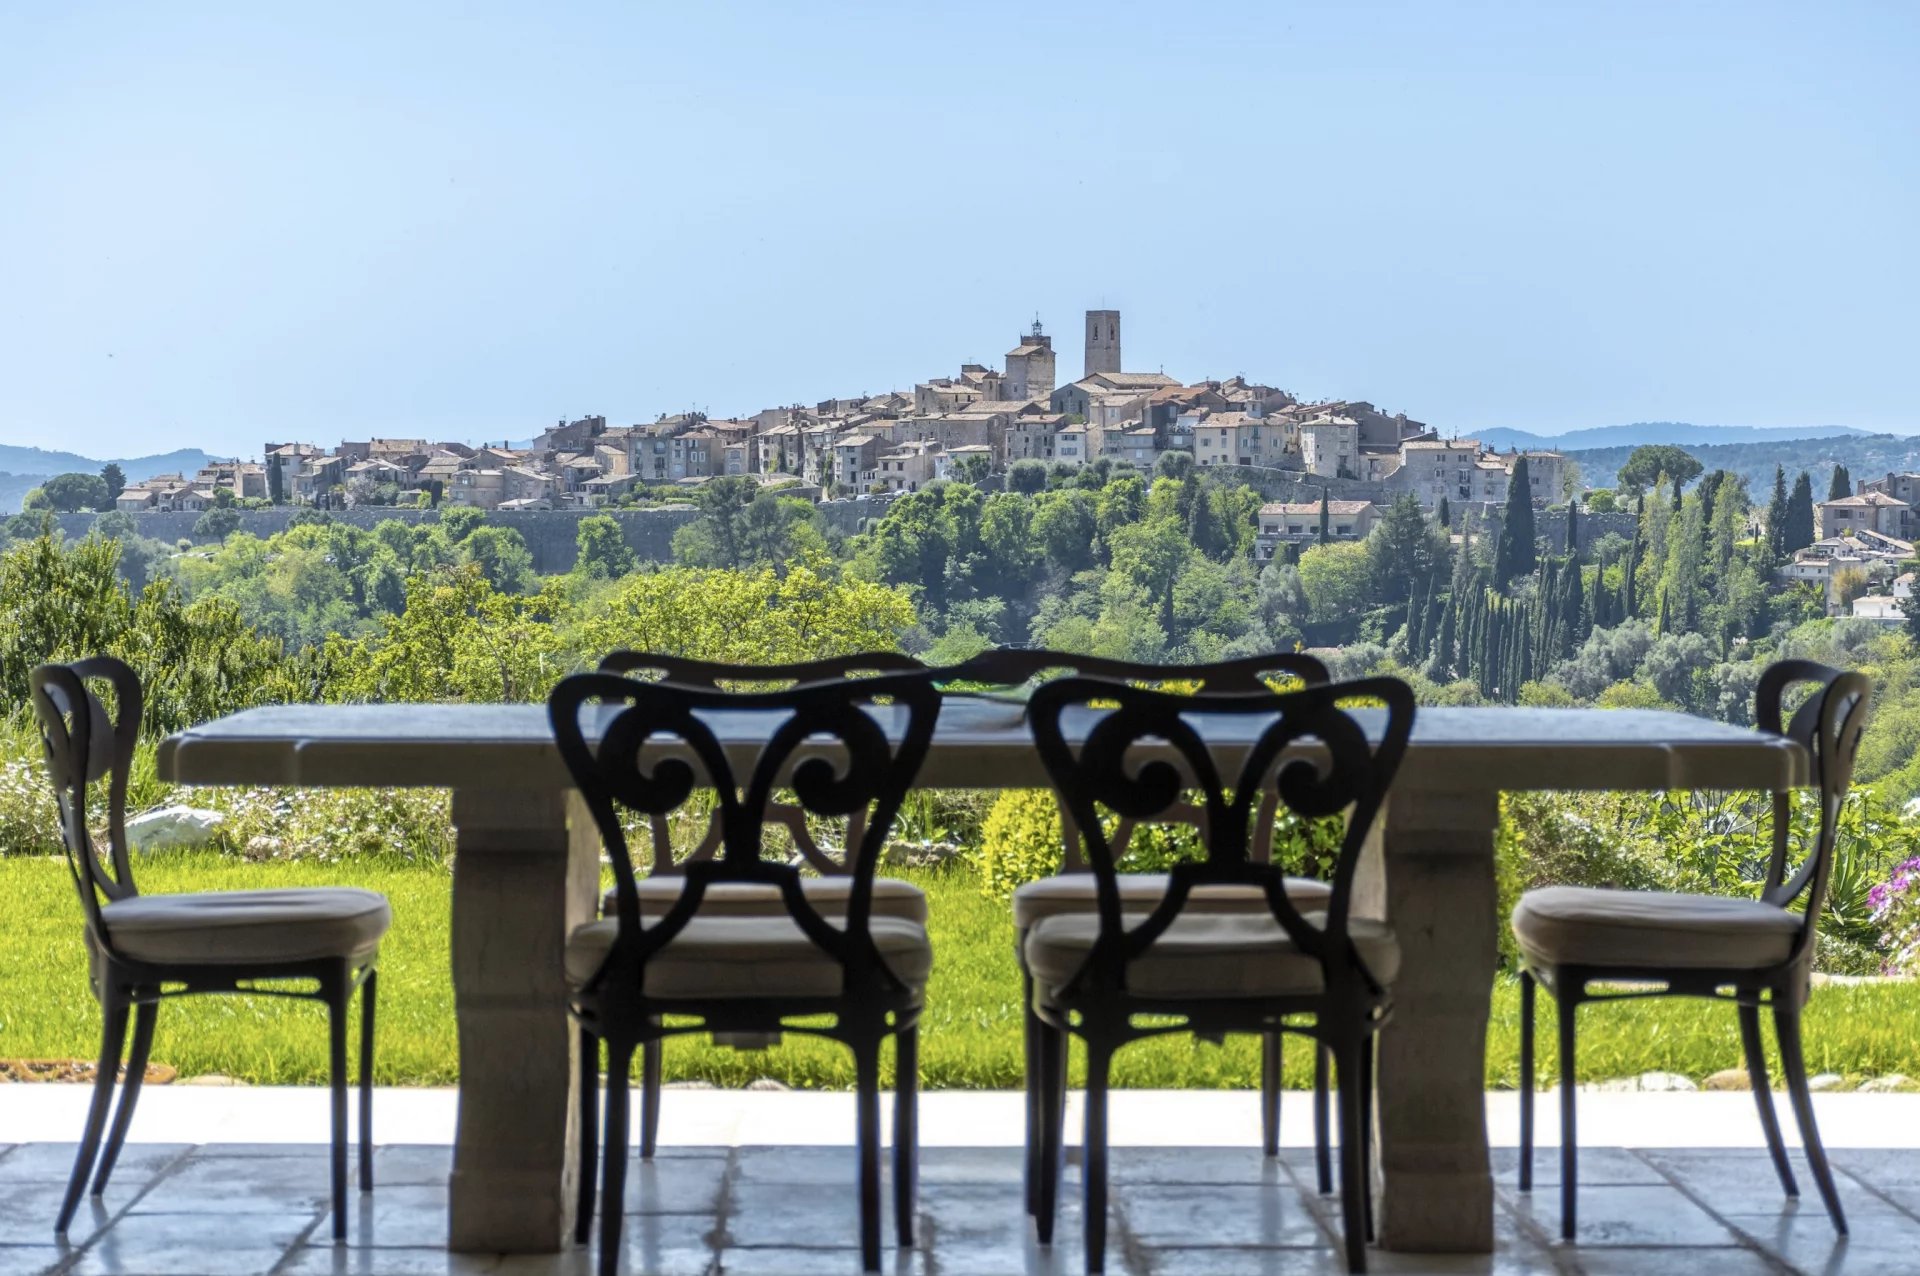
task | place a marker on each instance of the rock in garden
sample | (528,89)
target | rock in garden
(767,1083)
(1729,1079)
(1827,1081)
(1885,1085)
(212,1078)
(1666,1081)
(171,827)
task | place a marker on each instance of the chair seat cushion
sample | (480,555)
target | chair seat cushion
(716,958)
(305,923)
(1208,955)
(1140,892)
(1593,926)
(891,897)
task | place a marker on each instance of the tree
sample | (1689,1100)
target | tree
(71,493)
(1402,551)
(1849,583)
(1176,463)
(972,468)
(1841,485)
(277,483)
(603,551)
(1601,501)
(742,524)
(1514,554)
(1027,477)
(1777,517)
(1443,514)
(1335,578)
(1800,526)
(116,480)
(216,524)
(1573,527)
(1324,537)
(1651,461)
(501,555)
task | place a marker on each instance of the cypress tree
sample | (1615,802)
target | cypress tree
(1323,516)
(1444,513)
(1842,485)
(1573,528)
(1800,529)
(1777,517)
(1514,553)
(1664,624)
(1445,648)
(1416,615)
(1629,605)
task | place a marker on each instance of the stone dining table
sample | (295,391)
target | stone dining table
(527,866)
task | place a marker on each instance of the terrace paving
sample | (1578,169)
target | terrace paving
(233,1180)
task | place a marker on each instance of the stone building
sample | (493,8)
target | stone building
(1298,522)
(1103,342)
(1870,511)
(1030,367)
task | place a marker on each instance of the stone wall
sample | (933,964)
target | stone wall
(1551,526)
(550,534)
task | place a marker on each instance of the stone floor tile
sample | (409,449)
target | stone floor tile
(1228,1214)
(1196,1165)
(799,1164)
(669,1243)
(677,1185)
(984,1231)
(1600,1167)
(53,1162)
(1223,1261)
(407,1216)
(1641,1216)
(30,1209)
(335,1260)
(30,1260)
(1876,1247)
(824,1262)
(1882,1167)
(1724,1261)
(972,1165)
(249,1184)
(410,1163)
(191,1245)
(800,1215)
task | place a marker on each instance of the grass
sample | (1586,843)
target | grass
(970,1037)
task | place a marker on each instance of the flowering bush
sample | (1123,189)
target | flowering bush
(1896,910)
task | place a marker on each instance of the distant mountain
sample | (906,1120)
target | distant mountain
(22,468)
(1866,456)
(1658,432)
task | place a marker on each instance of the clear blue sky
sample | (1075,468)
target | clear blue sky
(226,223)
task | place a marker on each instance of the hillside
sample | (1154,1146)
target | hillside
(22,468)
(1631,436)
(1866,456)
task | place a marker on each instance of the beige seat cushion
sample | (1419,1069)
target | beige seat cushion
(891,897)
(1591,926)
(1140,892)
(720,957)
(1204,955)
(297,924)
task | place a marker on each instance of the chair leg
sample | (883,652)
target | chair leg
(1271,1058)
(1569,1151)
(589,1082)
(337,1084)
(143,1020)
(1030,1029)
(906,1132)
(1528,996)
(866,1073)
(1093,1155)
(650,1054)
(1050,1053)
(1322,1121)
(1786,1022)
(113,1038)
(613,1162)
(1353,1188)
(1366,1129)
(368,992)
(1763,1096)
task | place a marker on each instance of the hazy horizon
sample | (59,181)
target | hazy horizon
(234,224)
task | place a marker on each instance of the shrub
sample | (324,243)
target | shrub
(1896,910)
(1020,841)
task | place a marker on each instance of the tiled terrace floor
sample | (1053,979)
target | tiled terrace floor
(787,1207)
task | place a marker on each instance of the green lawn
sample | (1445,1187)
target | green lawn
(971,1031)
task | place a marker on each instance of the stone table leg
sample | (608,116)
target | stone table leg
(525,872)
(1433,864)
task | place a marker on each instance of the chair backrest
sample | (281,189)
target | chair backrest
(1828,725)
(720,676)
(83,743)
(1016,666)
(1137,758)
(717,675)
(826,741)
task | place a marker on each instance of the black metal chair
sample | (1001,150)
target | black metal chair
(660,889)
(1124,973)
(144,949)
(1072,890)
(1591,944)
(701,970)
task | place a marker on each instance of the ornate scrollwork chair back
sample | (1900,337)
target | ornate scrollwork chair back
(716,675)
(83,744)
(612,773)
(1334,770)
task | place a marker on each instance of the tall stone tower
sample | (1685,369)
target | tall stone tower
(1103,341)
(1030,367)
